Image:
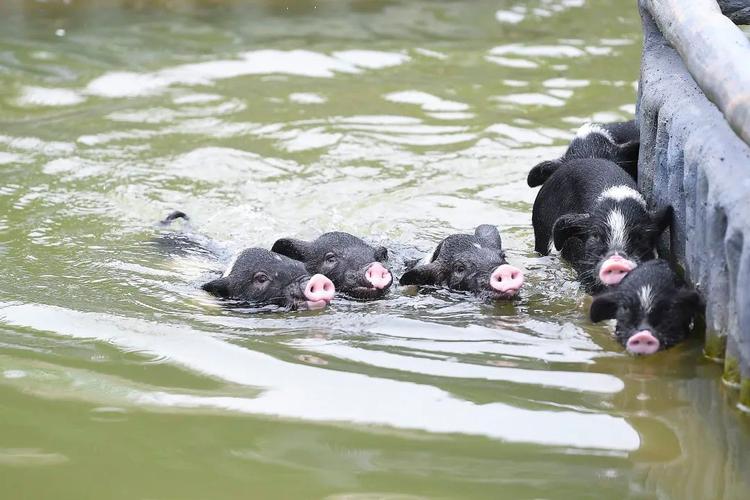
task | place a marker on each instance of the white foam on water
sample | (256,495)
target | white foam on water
(509,16)
(531,99)
(304,140)
(520,134)
(61,166)
(565,83)
(576,381)
(313,393)
(554,51)
(37,146)
(40,96)
(428,102)
(430,53)
(196,98)
(307,98)
(260,62)
(371,59)
(561,93)
(217,165)
(451,115)
(511,62)
(6,158)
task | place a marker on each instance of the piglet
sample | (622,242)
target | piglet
(653,307)
(618,142)
(259,277)
(355,267)
(474,263)
(593,213)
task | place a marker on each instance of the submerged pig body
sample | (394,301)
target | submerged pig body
(355,267)
(474,263)
(617,142)
(259,277)
(593,213)
(653,308)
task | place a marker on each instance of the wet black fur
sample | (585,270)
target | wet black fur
(458,264)
(675,305)
(567,211)
(260,277)
(341,257)
(624,151)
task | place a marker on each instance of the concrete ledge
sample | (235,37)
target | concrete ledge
(738,11)
(691,158)
(714,50)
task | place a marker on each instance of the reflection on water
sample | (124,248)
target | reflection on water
(398,121)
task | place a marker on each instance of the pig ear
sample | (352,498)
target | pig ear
(662,218)
(381,254)
(426,274)
(569,226)
(629,158)
(603,307)
(218,287)
(490,234)
(689,300)
(541,172)
(294,249)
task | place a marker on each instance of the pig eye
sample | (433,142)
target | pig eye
(331,258)
(459,268)
(261,278)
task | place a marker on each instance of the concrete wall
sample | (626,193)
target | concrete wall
(692,159)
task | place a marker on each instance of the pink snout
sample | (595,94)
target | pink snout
(643,342)
(378,276)
(319,292)
(614,269)
(506,279)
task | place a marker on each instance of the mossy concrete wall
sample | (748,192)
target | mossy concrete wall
(692,159)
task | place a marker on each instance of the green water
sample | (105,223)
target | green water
(402,121)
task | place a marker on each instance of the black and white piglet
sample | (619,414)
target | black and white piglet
(592,212)
(474,263)
(259,277)
(618,142)
(653,307)
(355,267)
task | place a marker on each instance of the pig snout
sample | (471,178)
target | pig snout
(506,279)
(378,276)
(614,269)
(319,291)
(643,342)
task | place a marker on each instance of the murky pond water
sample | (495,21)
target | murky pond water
(402,121)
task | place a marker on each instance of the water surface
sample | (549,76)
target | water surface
(401,121)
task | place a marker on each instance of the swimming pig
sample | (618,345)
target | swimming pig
(474,263)
(618,142)
(653,307)
(355,267)
(592,212)
(260,277)
(255,276)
